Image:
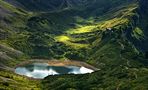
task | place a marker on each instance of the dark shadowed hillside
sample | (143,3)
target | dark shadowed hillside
(49,5)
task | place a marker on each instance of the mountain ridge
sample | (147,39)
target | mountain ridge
(108,35)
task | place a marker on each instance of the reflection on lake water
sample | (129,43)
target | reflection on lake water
(42,70)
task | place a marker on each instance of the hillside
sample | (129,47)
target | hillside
(110,35)
(50,5)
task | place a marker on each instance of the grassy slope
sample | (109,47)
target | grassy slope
(42,32)
(12,22)
(111,79)
(83,37)
(11,81)
(122,66)
(12,19)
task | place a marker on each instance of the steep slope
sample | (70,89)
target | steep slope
(143,19)
(11,81)
(44,27)
(12,19)
(115,51)
(49,5)
(107,34)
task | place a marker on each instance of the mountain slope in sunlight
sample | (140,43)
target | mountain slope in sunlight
(111,35)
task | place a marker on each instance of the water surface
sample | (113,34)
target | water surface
(42,70)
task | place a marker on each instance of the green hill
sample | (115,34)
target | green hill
(111,35)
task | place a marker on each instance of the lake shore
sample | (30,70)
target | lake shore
(71,63)
(60,63)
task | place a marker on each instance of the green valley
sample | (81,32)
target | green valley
(110,35)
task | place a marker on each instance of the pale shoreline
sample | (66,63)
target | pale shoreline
(60,63)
